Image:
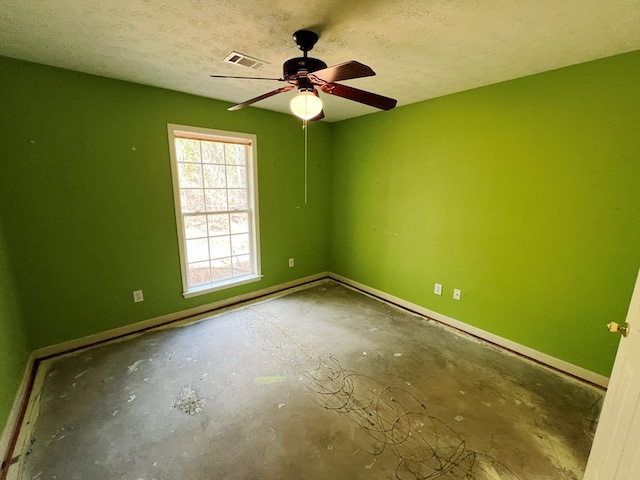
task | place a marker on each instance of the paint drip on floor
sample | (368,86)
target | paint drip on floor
(268,380)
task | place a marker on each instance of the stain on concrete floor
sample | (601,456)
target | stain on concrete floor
(320,383)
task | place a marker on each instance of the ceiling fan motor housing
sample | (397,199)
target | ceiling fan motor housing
(292,68)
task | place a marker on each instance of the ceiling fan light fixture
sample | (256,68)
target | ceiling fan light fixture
(306,105)
(305,73)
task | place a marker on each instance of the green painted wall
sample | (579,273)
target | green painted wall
(86,197)
(14,348)
(523,194)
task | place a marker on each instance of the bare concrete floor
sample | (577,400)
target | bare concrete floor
(322,383)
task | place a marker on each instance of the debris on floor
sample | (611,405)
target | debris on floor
(322,382)
(188,401)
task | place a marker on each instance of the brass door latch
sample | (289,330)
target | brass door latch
(615,327)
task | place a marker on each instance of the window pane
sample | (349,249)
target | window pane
(197,250)
(239,223)
(237,199)
(241,265)
(236,177)
(218,224)
(216,199)
(192,201)
(234,154)
(188,150)
(199,273)
(221,269)
(214,176)
(240,244)
(212,152)
(220,247)
(190,175)
(195,226)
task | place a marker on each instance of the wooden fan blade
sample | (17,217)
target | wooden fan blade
(368,98)
(261,97)
(344,71)
(248,78)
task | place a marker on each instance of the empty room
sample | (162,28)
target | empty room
(285,240)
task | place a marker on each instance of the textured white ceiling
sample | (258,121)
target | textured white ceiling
(419,49)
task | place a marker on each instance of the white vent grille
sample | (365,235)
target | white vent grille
(244,60)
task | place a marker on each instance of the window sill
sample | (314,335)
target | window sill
(232,282)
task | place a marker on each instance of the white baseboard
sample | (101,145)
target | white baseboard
(16,409)
(191,314)
(555,363)
(283,288)
(187,314)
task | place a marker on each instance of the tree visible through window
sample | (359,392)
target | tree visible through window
(214,190)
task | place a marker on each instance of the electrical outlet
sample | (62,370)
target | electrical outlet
(292,262)
(457,293)
(437,289)
(137,296)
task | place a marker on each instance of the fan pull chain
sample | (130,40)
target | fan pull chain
(306,129)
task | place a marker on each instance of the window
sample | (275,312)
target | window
(214,188)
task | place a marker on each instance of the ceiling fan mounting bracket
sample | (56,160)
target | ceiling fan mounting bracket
(305,39)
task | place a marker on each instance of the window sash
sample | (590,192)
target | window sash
(203,260)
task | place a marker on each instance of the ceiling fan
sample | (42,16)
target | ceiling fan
(305,73)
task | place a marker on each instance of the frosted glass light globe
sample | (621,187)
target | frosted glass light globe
(306,105)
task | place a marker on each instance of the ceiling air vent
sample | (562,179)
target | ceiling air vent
(244,60)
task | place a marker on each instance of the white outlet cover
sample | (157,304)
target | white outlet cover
(457,293)
(437,289)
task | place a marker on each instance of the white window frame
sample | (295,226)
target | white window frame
(250,141)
